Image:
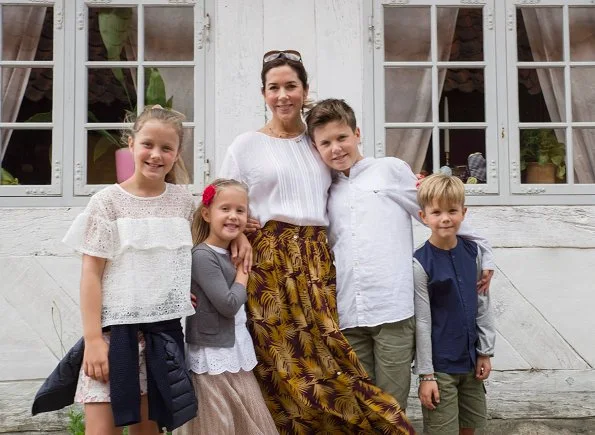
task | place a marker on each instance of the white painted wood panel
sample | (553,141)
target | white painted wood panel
(339,43)
(290,24)
(238,42)
(559,284)
(527,330)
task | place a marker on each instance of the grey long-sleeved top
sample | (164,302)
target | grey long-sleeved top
(218,299)
(486,330)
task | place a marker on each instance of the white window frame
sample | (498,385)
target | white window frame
(568,188)
(57,127)
(81,188)
(503,168)
(69,59)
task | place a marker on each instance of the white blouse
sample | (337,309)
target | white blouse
(147,243)
(288,180)
(217,360)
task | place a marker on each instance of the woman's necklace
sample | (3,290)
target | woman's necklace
(283,134)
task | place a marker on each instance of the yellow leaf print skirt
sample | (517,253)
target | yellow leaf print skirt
(309,375)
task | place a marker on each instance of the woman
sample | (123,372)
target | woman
(309,375)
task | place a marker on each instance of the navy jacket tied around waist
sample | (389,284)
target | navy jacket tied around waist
(170,392)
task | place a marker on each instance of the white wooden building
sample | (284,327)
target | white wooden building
(507,68)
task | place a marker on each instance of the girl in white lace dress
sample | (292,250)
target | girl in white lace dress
(220,352)
(135,238)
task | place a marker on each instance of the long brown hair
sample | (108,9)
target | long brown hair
(178,174)
(200,227)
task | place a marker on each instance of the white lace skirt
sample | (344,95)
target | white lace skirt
(217,360)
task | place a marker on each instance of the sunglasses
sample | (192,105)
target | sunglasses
(282,54)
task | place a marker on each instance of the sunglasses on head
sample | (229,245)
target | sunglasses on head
(282,54)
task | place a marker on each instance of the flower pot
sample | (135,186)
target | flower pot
(540,174)
(124,164)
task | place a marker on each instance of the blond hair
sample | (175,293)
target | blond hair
(200,227)
(178,174)
(444,189)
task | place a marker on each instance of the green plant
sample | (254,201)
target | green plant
(76,422)
(542,146)
(7,178)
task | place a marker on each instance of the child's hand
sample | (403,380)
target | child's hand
(429,394)
(193,300)
(95,363)
(483,367)
(252,225)
(483,285)
(241,252)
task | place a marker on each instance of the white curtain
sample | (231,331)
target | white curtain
(21,27)
(408,92)
(544,31)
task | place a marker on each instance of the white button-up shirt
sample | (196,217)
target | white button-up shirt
(371,235)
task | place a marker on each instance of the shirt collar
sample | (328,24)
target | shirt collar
(359,166)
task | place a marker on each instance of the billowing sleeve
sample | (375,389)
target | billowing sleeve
(92,232)
(423,322)
(486,328)
(403,189)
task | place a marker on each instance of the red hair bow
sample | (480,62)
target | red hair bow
(208,195)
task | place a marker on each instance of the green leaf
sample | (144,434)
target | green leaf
(114,24)
(104,133)
(155,93)
(6,178)
(40,117)
(102,146)
(170,103)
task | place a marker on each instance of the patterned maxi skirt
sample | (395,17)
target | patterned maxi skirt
(310,377)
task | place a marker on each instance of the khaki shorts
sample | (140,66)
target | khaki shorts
(462,405)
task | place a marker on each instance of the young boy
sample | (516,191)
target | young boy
(454,327)
(370,205)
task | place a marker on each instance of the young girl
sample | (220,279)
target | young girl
(136,242)
(220,350)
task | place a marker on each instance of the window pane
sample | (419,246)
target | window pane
(408,94)
(36,105)
(168,33)
(112,34)
(539,34)
(27,33)
(171,87)
(543,156)
(582,23)
(28,158)
(582,82)
(112,94)
(407,34)
(465,88)
(463,42)
(413,145)
(584,155)
(463,146)
(101,162)
(541,95)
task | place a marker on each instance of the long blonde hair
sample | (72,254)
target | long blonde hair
(178,174)
(200,227)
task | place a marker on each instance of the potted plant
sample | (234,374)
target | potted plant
(542,156)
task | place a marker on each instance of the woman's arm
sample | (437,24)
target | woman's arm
(95,363)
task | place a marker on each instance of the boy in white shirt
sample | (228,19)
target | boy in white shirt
(370,205)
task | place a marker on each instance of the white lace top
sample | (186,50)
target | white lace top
(216,360)
(147,243)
